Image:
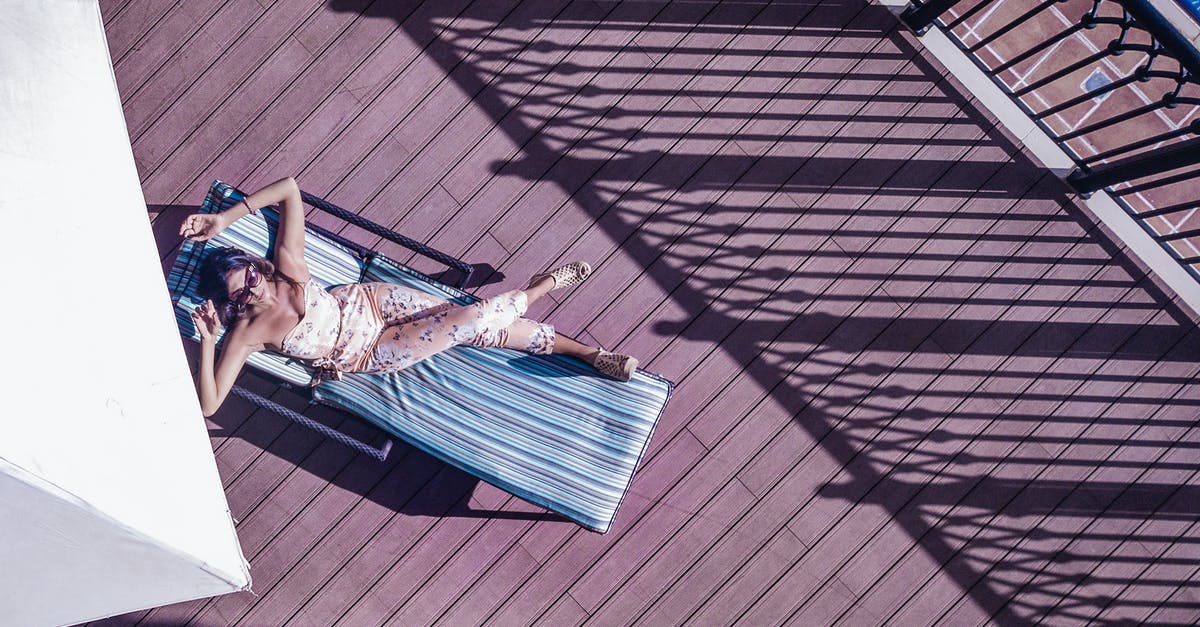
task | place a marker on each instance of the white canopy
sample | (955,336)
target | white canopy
(109,495)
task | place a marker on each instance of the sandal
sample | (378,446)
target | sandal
(615,365)
(565,276)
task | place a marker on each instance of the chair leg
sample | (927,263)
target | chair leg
(333,434)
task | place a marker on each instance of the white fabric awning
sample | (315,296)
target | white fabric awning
(109,495)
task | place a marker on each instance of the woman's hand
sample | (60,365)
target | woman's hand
(206,321)
(202,226)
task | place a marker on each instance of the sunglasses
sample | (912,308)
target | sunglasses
(242,297)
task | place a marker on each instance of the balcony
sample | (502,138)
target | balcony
(919,380)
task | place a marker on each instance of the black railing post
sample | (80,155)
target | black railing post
(920,18)
(1153,162)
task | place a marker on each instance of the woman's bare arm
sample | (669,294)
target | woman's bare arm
(289,242)
(216,376)
(289,245)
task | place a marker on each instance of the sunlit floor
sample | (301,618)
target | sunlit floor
(916,383)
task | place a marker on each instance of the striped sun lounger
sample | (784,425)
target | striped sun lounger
(544,428)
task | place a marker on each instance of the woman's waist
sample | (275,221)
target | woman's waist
(360,324)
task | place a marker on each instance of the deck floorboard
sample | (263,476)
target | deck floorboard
(915,382)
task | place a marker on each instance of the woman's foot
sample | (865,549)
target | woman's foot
(564,276)
(615,365)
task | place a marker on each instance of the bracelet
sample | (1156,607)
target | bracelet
(252,210)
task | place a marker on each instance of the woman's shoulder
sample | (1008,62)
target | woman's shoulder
(246,333)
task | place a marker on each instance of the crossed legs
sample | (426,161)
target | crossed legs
(418,326)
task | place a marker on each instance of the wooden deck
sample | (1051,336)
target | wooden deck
(916,383)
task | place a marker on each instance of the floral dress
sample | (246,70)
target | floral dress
(381,327)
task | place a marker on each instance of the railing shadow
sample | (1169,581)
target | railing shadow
(986,368)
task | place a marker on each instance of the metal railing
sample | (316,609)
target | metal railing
(1112,82)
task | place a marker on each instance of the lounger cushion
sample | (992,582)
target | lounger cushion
(548,429)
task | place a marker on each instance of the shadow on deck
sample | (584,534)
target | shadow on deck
(917,383)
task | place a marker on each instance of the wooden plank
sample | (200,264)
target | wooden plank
(437,546)
(586,585)
(336,44)
(820,526)
(792,237)
(266,63)
(493,194)
(814,335)
(498,584)
(580,550)
(185,161)
(881,548)
(442,121)
(1172,556)
(465,566)
(578,87)
(665,166)
(716,569)
(111,8)
(334,523)
(359,575)
(878,601)
(127,22)
(629,597)
(1163,592)
(444,125)
(833,543)
(774,558)
(895,382)
(144,101)
(298,530)
(786,244)
(283,492)
(918,596)
(1124,489)
(633,119)
(1059,526)
(1072,557)
(159,45)
(334,138)
(564,612)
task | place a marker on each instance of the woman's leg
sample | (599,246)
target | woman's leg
(437,325)
(405,344)
(541,339)
(566,346)
(537,338)
(523,334)
(398,304)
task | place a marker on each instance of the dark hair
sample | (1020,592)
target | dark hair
(217,265)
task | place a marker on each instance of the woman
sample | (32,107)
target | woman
(370,327)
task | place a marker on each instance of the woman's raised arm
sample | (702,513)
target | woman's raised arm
(289,244)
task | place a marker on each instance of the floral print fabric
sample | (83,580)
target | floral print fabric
(380,327)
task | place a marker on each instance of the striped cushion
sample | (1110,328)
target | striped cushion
(329,264)
(545,428)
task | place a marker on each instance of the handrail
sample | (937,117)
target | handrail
(1121,151)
